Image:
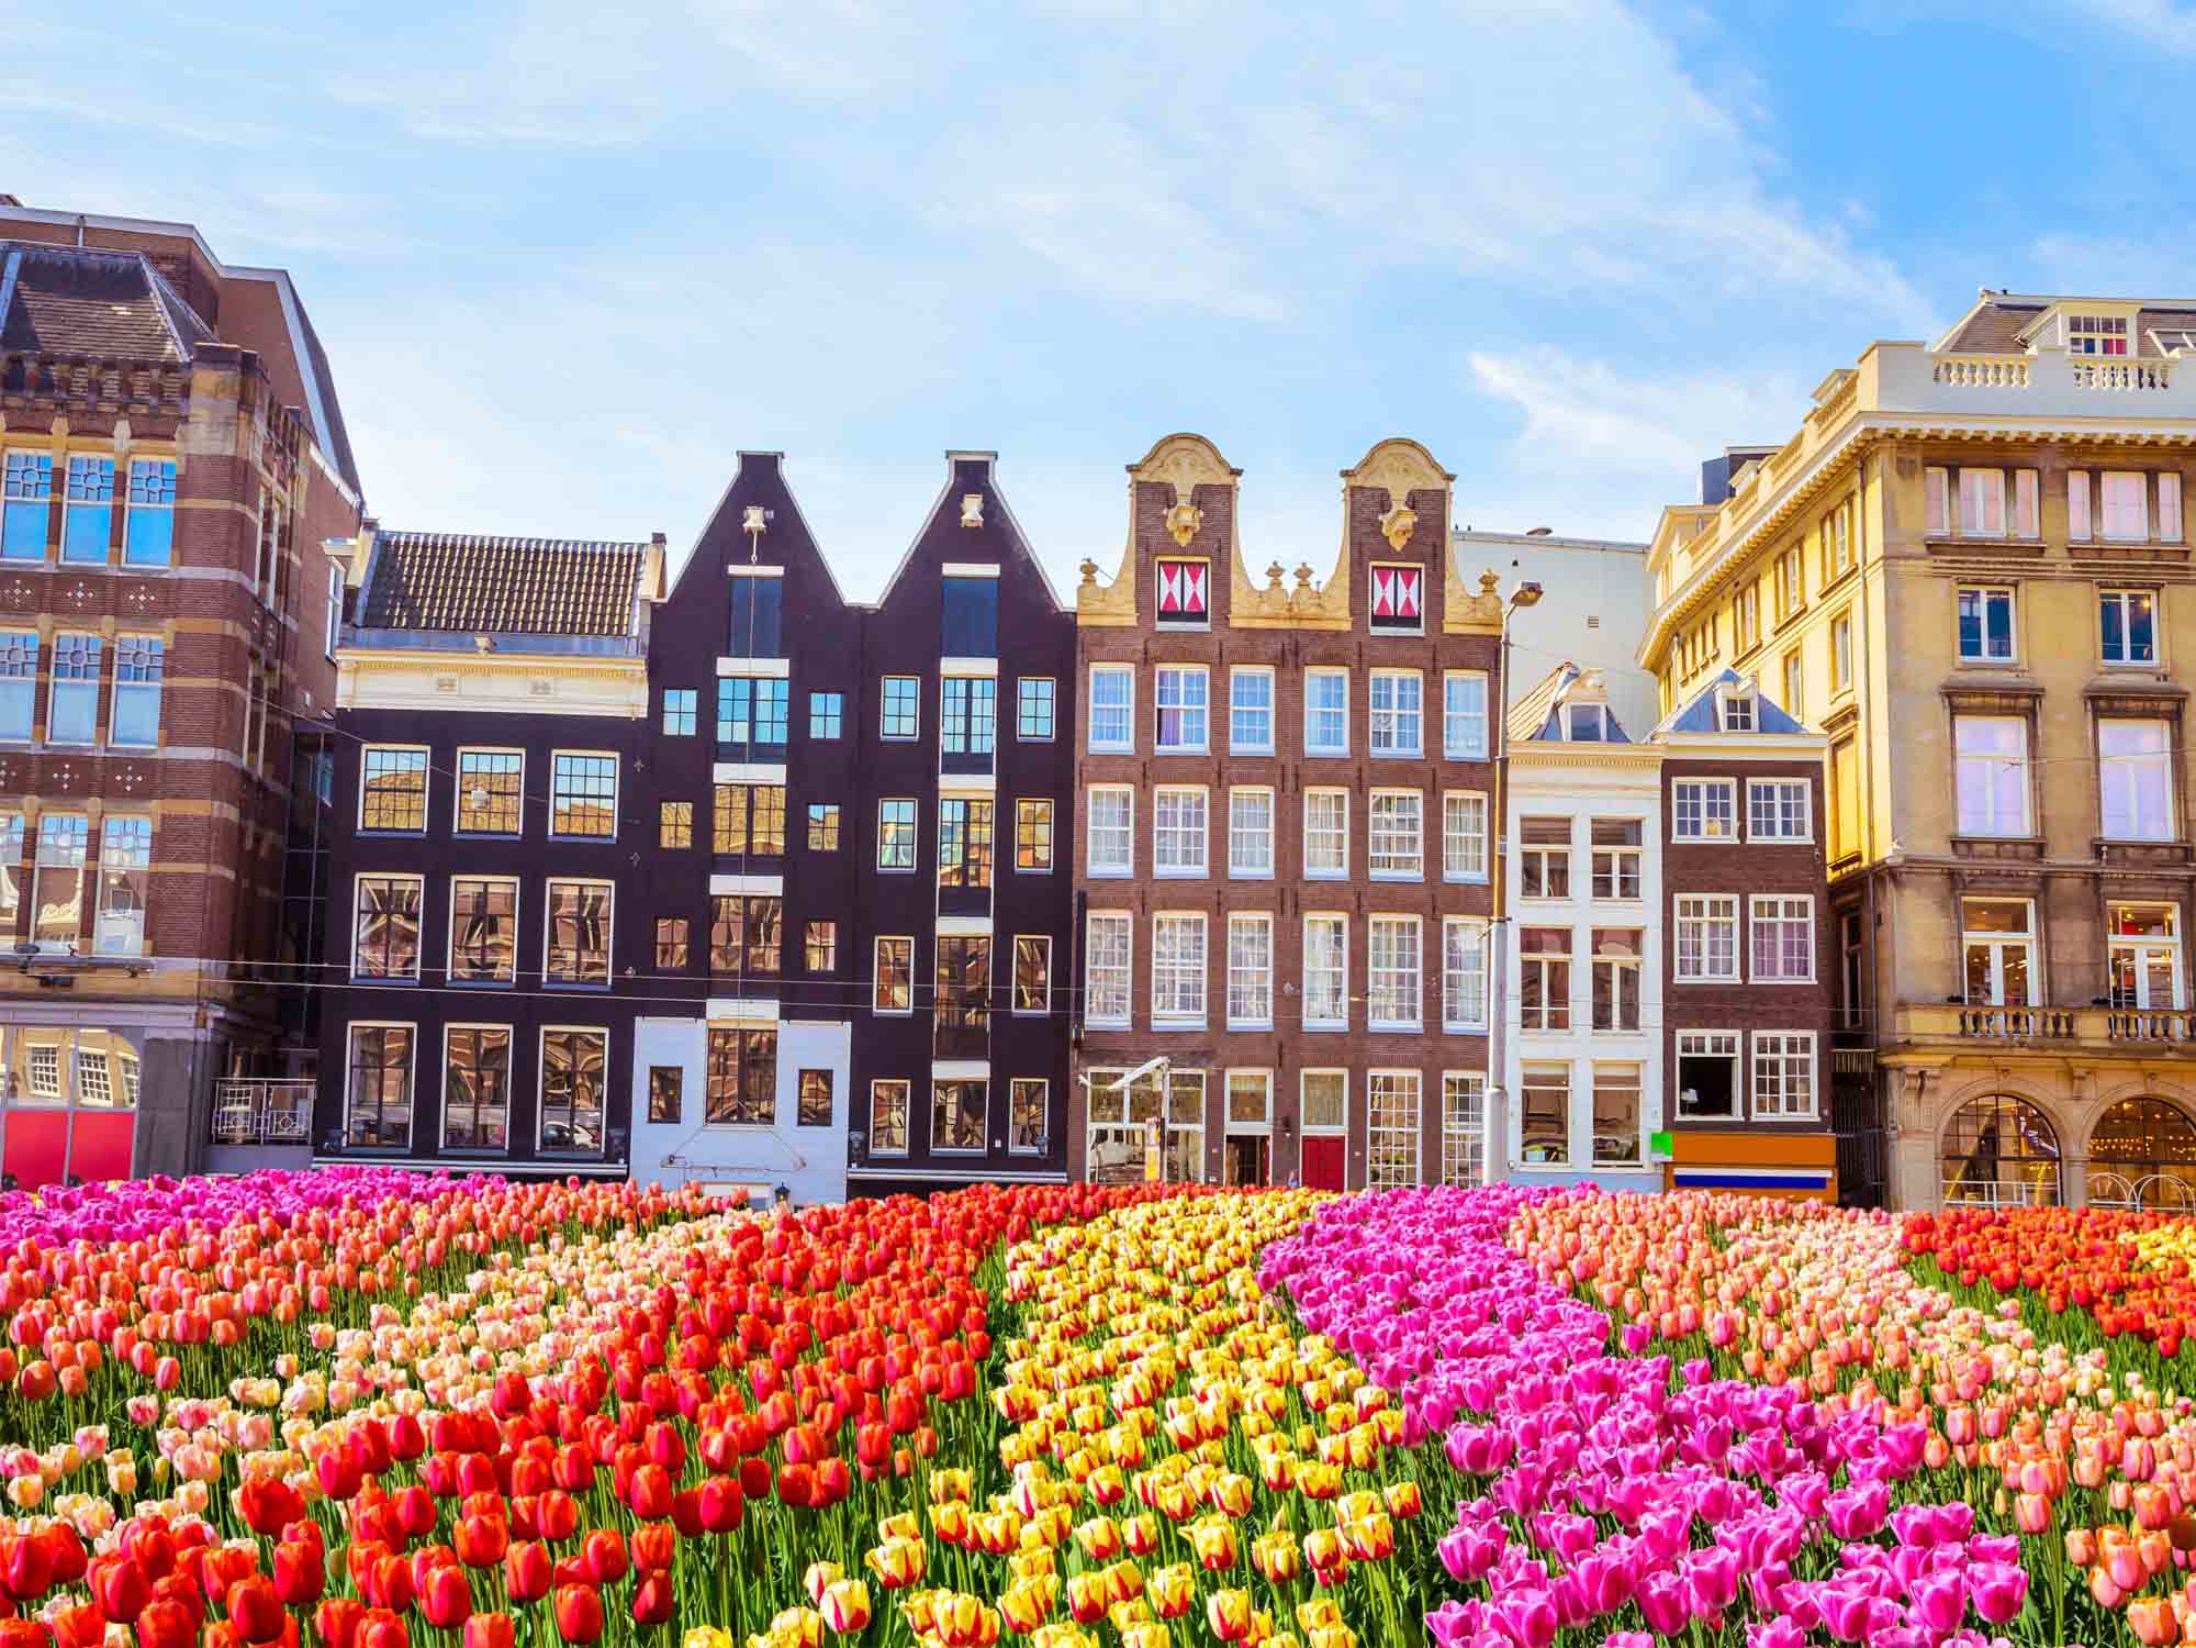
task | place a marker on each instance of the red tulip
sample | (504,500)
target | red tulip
(255,1610)
(526,1571)
(407,1440)
(79,1625)
(489,1631)
(558,1514)
(122,1588)
(166,1624)
(797,1485)
(268,1505)
(446,1599)
(604,1553)
(381,1628)
(579,1613)
(654,1545)
(414,1509)
(300,1572)
(67,1552)
(653,1599)
(755,1478)
(833,1481)
(26,1567)
(481,1541)
(721,1504)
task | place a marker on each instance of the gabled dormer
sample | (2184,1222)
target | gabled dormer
(1569,706)
(1734,704)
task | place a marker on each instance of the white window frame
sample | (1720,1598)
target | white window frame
(1701,792)
(2115,776)
(617,788)
(1462,846)
(1463,1125)
(1258,864)
(1250,983)
(1323,1130)
(1982,502)
(2141,950)
(1322,871)
(1783,909)
(457,798)
(1237,677)
(1014,977)
(1194,709)
(876,974)
(884,708)
(1399,977)
(358,885)
(1180,981)
(541,1091)
(1980,767)
(1339,924)
(2124,599)
(1616,1067)
(450,937)
(1729,1045)
(914,834)
(1464,725)
(1325,673)
(1162,831)
(609,934)
(2123,495)
(1386,837)
(1783,1047)
(1396,731)
(1773,794)
(1463,1008)
(1627,860)
(1709,912)
(2000,942)
(1123,924)
(1987,595)
(1406,1090)
(1125,744)
(1111,866)
(350,1072)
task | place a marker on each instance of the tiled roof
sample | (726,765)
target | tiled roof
(467,584)
(67,300)
(1699,715)
(1995,325)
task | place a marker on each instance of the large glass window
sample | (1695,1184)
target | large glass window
(87,521)
(490,786)
(1703,809)
(1544,1115)
(1181,693)
(583,795)
(139,666)
(1178,831)
(1035,696)
(896,834)
(963,979)
(742,1077)
(1391,1129)
(1250,970)
(72,717)
(476,1086)
(1544,981)
(1707,938)
(1616,853)
(1616,976)
(968,715)
(1784,1074)
(1464,715)
(1112,843)
(2142,1155)
(125,870)
(379,1114)
(1779,809)
(1397,700)
(18,683)
(2135,779)
(1544,857)
(1986,625)
(1997,938)
(1463,973)
(1617,1139)
(1395,972)
(1032,972)
(1783,940)
(26,492)
(888,1105)
(386,931)
(752,715)
(578,933)
(968,617)
(964,842)
(1463,1125)
(1177,968)
(57,884)
(893,988)
(392,789)
(1326,833)
(1326,712)
(900,709)
(1991,773)
(2127,626)
(746,935)
(1250,832)
(957,1114)
(2144,954)
(1999,1151)
(1033,836)
(483,929)
(1028,1120)
(1326,972)
(1463,836)
(1112,708)
(574,1064)
(758,610)
(1106,968)
(1396,835)
(748,819)
(1250,710)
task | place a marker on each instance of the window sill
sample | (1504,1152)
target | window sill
(1326,1028)
(1326,755)
(2124,549)
(1449,880)
(1953,543)
(1165,1027)
(371,980)
(1706,978)
(1179,875)
(1396,875)
(1397,755)
(2027,849)
(1096,874)
(1250,1026)
(1385,1027)
(1450,1029)
(1180,749)
(1251,749)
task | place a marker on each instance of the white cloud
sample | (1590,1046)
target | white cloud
(2159,23)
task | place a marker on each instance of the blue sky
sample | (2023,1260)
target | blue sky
(569,259)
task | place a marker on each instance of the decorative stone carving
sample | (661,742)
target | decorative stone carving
(1397,525)
(1183,520)
(972,509)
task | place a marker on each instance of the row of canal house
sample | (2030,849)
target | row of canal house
(1210,875)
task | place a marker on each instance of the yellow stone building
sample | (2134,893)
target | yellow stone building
(1970,569)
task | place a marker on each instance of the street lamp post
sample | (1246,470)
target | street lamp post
(1494,1154)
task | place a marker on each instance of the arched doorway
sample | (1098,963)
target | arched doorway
(1999,1151)
(2143,1155)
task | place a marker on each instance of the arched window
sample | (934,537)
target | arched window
(2000,1151)
(2143,1155)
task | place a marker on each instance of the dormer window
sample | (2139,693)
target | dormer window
(1589,723)
(2096,334)
(1738,712)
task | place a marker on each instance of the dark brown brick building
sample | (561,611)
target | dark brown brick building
(1283,852)
(173,459)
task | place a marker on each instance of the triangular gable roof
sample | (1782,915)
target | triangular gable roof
(1537,718)
(767,466)
(946,499)
(1698,713)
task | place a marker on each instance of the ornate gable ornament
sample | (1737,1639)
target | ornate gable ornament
(1182,463)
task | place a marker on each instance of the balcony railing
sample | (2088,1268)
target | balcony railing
(250,1110)
(2102,1027)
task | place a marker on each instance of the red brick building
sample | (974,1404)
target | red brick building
(1283,851)
(171,460)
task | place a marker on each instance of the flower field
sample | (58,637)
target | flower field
(365,1409)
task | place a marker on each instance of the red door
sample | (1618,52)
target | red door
(1326,1160)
